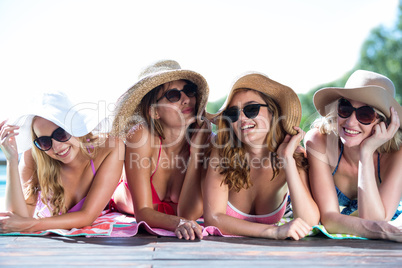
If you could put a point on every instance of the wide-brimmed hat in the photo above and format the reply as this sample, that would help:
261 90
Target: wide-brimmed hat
284 96
127 111
371 88
78 119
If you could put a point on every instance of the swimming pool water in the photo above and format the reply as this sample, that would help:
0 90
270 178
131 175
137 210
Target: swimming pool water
2 180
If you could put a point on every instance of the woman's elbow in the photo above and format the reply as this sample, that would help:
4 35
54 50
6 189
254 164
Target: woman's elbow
211 219
331 222
87 220
193 213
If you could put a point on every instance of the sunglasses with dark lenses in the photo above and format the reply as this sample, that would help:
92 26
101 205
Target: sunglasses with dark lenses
250 110
174 95
44 143
365 114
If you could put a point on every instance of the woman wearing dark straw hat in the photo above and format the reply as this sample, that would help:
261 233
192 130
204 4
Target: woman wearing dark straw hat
257 161
163 165
355 157
68 168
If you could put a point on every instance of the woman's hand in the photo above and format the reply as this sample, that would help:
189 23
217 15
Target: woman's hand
290 144
381 133
188 230
7 140
10 222
296 229
199 140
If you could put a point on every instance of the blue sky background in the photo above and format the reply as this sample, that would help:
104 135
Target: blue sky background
94 49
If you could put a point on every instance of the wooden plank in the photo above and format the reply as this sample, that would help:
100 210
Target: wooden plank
145 251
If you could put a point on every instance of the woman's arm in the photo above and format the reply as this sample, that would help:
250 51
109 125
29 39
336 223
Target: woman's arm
321 180
139 163
102 187
215 204
303 205
14 197
324 193
191 202
379 202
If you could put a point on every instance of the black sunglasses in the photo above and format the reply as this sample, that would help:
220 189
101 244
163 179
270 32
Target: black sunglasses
174 95
44 143
250 110
365 114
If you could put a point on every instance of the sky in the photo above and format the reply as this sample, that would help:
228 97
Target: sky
95 49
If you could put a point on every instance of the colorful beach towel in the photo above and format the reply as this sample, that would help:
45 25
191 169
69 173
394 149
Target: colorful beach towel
114 224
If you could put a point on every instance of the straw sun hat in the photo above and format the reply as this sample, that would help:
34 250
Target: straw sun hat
78 119
367 87
127 112
284 96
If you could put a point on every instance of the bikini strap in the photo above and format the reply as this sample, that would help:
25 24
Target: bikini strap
339 160
159 157
378 164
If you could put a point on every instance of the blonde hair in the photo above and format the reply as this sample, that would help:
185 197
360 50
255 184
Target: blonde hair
329 123
46 177
237 172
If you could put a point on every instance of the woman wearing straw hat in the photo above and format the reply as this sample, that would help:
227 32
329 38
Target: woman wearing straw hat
156 117
354 156
67 178
256 162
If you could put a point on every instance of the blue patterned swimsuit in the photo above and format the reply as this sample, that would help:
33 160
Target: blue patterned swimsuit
351 205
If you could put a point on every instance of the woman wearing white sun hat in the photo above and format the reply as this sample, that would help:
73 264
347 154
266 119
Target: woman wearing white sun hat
355 158
68 170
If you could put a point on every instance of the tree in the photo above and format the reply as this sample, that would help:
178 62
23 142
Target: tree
381 52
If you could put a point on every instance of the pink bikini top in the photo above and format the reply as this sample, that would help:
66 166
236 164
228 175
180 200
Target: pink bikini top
270 218
42 211
164 207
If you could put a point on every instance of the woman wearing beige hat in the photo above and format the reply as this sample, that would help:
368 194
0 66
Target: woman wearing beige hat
256 162
355 157
157 119
68 169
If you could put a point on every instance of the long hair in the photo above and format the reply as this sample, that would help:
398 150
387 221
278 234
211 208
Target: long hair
236 169
47 174
329 123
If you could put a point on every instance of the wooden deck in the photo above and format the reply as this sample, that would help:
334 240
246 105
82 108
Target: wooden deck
145 250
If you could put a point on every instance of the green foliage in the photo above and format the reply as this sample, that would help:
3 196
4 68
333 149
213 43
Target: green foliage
381 53
213 107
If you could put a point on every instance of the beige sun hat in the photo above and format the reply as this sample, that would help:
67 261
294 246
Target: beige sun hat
284 96
371 88
127 113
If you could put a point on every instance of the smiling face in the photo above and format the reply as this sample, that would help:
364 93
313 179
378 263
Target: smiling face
351 131
251 131
175 114
62 151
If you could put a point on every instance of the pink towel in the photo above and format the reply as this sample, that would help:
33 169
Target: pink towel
115 224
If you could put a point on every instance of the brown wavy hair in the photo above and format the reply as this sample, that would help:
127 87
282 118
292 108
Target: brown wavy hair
47 174
237 170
